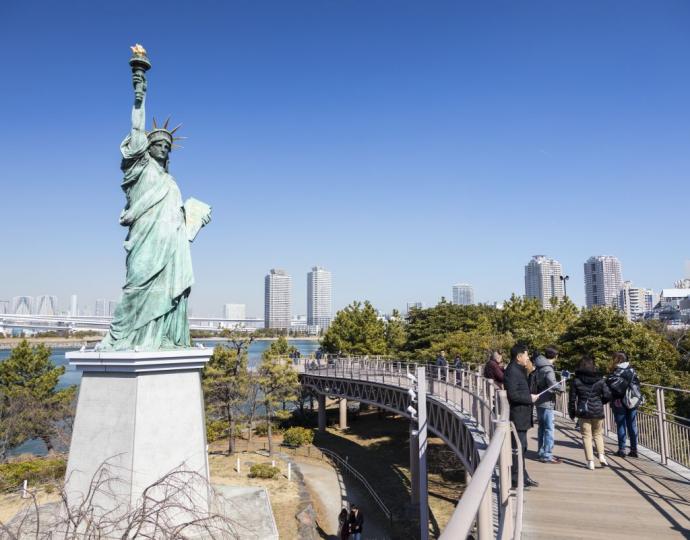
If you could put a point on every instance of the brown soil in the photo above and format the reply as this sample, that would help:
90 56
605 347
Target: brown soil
378 447
284 495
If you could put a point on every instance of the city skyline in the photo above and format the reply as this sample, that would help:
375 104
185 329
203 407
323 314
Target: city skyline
370 135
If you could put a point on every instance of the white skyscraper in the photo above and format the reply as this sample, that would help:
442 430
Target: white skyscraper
101 308
463 294
602 280
22 305
543 280
319 297
235 311
5 306
634 301
278 300
73 306
46 305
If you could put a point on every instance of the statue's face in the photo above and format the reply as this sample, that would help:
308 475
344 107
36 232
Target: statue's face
160 150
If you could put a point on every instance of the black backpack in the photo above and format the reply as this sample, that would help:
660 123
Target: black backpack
535 386
619 381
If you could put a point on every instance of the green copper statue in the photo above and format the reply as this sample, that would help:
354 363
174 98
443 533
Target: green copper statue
152 314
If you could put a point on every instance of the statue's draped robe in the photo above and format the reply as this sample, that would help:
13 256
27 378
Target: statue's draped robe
153 311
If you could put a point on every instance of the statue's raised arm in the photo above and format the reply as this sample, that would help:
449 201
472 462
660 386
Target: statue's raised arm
140 64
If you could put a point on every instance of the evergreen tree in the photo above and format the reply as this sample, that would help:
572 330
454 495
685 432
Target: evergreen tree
356 330
30 404
277 380
396 336
226 388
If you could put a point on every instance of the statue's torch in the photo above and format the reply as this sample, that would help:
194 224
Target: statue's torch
140 64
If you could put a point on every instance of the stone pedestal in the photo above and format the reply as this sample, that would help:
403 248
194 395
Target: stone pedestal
140 415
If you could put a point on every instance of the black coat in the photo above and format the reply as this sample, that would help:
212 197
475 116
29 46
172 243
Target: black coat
356 522
519 397
590 388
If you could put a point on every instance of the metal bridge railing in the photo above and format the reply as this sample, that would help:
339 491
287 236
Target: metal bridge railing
665 434
470 394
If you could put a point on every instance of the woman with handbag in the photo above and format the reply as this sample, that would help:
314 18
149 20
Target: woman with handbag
588 394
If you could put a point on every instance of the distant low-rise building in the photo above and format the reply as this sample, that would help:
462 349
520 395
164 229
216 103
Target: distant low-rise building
634 302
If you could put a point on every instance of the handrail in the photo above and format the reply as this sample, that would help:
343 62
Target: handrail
488 404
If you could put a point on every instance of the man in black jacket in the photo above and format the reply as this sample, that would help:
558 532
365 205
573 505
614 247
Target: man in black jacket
521 403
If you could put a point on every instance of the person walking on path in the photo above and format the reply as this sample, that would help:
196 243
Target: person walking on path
545 404
622 377
344 524
441 365
493 369
356 522
588 394
521 403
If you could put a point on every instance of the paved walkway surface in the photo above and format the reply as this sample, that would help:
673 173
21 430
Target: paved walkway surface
335 491
632 498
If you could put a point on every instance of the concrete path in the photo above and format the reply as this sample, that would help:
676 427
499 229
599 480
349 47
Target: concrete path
632 498
334 492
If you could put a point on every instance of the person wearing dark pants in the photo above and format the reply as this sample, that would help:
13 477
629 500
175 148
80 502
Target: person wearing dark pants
356 522
521 403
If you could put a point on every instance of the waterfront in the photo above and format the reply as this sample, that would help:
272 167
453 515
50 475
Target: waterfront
73 377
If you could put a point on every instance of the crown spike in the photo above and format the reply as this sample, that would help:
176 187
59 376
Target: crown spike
167 120
179 138
155 126
175 128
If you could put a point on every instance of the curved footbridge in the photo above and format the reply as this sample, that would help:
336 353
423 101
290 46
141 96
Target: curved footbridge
640 498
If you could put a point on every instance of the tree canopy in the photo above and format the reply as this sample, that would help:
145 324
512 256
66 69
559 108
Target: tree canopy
356 330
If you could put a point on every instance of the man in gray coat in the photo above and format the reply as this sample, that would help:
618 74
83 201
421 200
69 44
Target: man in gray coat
546 377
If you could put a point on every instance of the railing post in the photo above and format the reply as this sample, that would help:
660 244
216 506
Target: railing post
504 481
485 526
661 417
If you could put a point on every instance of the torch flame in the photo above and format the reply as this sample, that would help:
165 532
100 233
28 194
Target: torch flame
138 50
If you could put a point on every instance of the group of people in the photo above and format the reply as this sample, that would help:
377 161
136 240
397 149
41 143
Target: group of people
351 523
530 382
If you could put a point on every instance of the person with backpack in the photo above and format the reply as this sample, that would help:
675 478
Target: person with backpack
588 394
541 379
627 397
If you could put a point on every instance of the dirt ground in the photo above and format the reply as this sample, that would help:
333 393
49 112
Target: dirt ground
378 447
11 504
283 495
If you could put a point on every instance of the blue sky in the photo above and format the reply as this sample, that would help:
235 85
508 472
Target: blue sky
405 146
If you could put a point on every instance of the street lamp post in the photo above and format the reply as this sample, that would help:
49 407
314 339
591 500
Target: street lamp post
565 279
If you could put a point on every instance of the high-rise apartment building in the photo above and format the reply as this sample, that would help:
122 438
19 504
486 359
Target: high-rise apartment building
73 306
543 280
463 294
413 305
277 299
235 312
634 301
101 308
319 297
46 305
22 305
602 280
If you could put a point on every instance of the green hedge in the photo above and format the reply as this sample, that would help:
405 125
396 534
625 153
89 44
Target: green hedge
298 436
36 471
263 470
215 429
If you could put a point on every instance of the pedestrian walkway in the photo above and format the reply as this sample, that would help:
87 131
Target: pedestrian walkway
632 498
334 491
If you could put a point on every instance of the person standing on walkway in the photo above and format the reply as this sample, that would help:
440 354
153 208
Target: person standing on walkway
521 404
344 524
545 404
356 522
493 369
621 378
588 394
441 365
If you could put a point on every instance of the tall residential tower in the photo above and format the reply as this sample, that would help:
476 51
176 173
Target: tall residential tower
463 294
278 300
319 297
602 280
543 280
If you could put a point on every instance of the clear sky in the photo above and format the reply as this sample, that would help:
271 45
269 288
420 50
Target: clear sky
405 146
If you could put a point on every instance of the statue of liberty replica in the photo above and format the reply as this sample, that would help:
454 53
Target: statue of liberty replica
152 314
140 409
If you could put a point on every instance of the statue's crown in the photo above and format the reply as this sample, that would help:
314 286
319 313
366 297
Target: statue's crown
163 134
